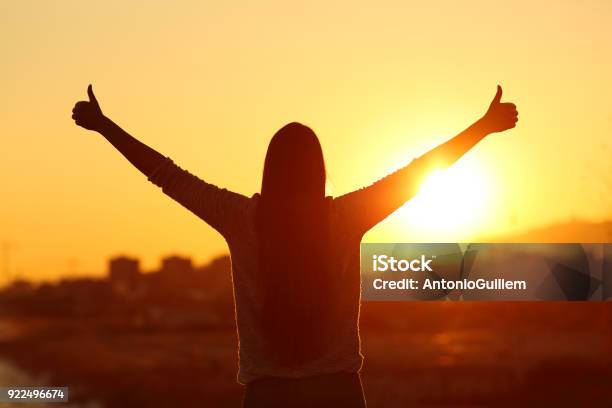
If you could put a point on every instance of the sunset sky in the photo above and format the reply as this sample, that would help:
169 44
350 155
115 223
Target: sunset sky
209 84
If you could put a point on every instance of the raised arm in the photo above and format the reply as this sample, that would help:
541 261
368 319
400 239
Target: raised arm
88 115
222 209
499 117
368 206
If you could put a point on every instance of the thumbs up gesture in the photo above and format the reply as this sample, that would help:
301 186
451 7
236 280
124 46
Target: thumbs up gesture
501 115
88 114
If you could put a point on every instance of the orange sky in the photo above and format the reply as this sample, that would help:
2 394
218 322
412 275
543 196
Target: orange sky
208 85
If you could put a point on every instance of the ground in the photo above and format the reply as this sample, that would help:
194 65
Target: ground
447 354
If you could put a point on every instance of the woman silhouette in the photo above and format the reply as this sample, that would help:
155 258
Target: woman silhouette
295 253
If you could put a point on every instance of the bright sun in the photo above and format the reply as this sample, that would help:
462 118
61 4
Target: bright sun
451 205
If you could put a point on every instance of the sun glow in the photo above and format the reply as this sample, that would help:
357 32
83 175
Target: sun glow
452 204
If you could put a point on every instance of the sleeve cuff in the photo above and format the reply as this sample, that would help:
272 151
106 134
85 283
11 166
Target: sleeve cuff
159 175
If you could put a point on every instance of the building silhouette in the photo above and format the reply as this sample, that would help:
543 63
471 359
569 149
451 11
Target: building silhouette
124 274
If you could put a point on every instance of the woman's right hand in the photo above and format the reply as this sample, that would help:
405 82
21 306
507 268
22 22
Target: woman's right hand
88 114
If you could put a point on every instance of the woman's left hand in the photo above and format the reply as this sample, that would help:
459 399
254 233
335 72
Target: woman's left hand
500 116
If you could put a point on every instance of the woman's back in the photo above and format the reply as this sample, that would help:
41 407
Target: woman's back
234 216
343 351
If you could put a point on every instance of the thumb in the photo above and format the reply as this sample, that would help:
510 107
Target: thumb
92 97
498 96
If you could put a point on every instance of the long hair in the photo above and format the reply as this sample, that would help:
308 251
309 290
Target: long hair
292 226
